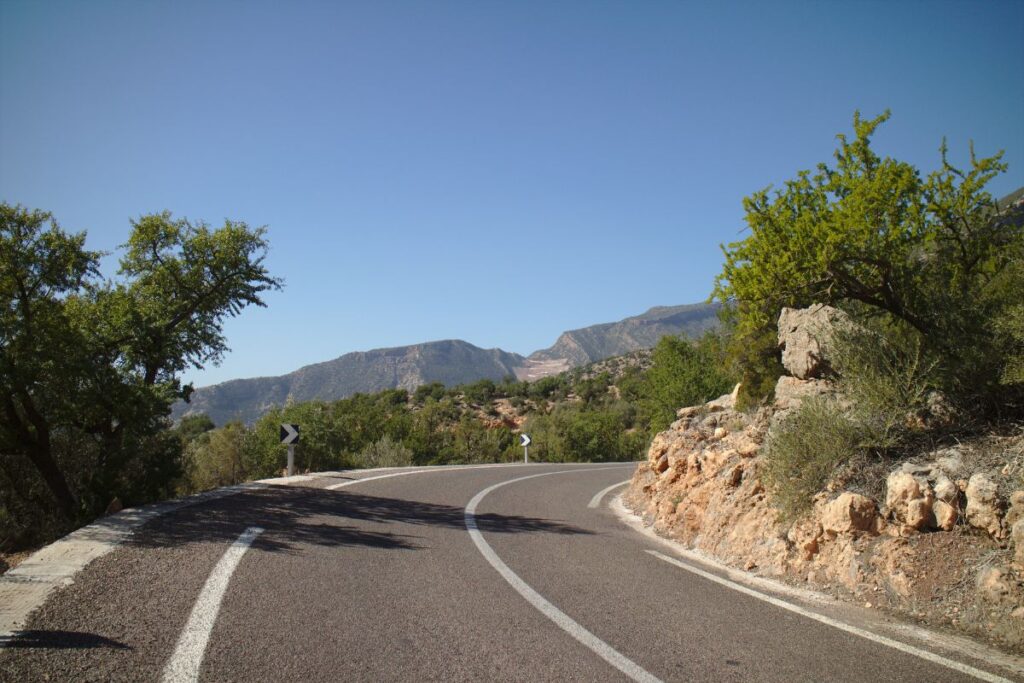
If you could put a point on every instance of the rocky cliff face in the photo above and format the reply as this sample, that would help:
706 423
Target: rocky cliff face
597 342
945 545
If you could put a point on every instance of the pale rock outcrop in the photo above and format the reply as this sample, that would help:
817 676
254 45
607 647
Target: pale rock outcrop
909 499
945 515
702 486
994 585
946 490
849 512
805 335
790 392
951 461
984 508
1015 511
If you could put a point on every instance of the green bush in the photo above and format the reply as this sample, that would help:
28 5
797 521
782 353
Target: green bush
886 378
803 453
684 373
386 453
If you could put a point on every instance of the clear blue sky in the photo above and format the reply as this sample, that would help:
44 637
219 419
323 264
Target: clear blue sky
491 171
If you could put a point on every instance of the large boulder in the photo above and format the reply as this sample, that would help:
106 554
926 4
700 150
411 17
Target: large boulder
790 392
984 507
805 335
848 513
909 499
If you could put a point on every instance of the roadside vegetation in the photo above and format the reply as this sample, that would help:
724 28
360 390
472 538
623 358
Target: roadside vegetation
929 267
606 411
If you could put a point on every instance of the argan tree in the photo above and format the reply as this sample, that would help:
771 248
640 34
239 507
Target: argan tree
929 254
89 367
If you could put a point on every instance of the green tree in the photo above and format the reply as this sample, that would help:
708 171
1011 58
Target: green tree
89 367
218 459
873 235
684 373
191 427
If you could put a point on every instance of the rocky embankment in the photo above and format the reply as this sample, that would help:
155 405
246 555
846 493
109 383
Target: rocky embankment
944 543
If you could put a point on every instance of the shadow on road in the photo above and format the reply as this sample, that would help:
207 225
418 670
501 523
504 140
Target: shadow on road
61 640
294 516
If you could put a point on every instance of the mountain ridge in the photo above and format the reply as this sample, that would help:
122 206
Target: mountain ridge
449 361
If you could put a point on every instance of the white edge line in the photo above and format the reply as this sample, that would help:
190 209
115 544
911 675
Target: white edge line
560 618
444 468
965 647
188 654
596 500
842 626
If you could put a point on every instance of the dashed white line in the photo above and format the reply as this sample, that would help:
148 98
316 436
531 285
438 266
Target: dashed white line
596 500
188 654
563 620
842 626
379 476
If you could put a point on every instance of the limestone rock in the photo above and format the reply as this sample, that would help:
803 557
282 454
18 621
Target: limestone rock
945 515
946 490
951 461
984 508
919 514
805 536
993 585
790 392
805 335
848 513
1016 509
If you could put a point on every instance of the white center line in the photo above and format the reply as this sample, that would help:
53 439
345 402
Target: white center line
596 500
563 620
343 484
188 655
874 637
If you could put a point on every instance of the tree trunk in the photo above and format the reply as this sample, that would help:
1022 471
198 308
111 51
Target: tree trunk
54 479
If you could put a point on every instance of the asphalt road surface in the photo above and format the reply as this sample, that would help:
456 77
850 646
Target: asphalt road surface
472 574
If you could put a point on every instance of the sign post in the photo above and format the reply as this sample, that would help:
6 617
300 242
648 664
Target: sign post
290 437
525 441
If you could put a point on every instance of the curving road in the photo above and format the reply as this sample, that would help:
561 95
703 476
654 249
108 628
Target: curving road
517 572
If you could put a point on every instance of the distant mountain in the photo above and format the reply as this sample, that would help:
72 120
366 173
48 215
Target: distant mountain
449 362
405 367
598 342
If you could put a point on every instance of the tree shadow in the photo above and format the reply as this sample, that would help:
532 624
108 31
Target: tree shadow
61 640
293 516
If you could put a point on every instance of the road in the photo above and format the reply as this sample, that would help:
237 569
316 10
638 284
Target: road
446 574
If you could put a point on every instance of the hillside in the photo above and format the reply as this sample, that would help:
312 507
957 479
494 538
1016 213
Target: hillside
449 362
406 367
598 342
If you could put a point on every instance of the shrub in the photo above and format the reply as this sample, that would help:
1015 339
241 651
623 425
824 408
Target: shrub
386 453
886 378
803 453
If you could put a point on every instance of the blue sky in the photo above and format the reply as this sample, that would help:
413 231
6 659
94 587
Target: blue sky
491 171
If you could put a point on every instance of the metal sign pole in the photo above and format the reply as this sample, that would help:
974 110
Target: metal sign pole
526 455
291 459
